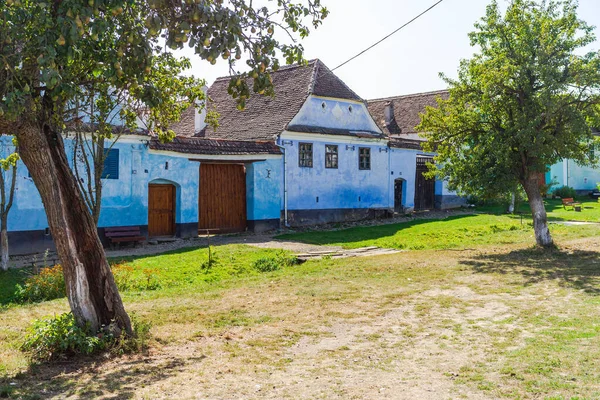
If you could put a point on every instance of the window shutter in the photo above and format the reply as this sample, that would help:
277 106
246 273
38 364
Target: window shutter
111 164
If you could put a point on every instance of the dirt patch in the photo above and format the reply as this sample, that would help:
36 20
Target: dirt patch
418 325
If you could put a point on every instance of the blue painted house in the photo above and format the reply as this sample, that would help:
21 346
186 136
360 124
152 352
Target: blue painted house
314 153
342 159
144 171
583 179
398 117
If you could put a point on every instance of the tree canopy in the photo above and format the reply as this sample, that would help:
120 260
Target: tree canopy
53 52
52 49
526 100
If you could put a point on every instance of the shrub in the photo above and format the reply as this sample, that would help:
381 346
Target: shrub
266 264
49 284
276 262
564 192
123 275
151 279
136 344
547 188
60 336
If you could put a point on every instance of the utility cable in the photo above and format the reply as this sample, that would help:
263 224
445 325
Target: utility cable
388 36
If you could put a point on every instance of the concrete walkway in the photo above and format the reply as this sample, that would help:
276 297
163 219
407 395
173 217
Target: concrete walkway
574 223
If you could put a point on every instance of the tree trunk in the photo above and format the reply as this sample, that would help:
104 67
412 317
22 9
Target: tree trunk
540 220
91 289
4 245
511 206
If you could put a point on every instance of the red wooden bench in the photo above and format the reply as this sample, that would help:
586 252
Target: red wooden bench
124 234
570 202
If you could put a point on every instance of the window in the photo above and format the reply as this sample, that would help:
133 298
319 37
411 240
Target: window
364 158
111 164
306 155
331 156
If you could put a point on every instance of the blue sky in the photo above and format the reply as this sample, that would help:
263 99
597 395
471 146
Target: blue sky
408 62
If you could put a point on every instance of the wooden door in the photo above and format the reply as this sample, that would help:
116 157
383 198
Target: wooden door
398 193
161 210
424 188
222 199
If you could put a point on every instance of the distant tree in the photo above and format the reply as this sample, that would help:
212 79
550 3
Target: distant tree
523 103
8 181
50 50
102 113
89 141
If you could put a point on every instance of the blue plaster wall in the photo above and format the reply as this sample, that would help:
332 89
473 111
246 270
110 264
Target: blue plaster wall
263 189
346 187
568 173
336 114
403 164
27 212
124 200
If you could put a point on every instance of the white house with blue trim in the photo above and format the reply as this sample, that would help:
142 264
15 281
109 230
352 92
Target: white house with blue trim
314 153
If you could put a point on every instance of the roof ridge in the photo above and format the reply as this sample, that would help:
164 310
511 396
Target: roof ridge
309 89
222 139
404 96
281 69
313 77
329 71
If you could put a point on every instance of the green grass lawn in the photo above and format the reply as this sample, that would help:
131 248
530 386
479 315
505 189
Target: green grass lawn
8 281
462 231
511 322
556 212
498 319
172 270
188 267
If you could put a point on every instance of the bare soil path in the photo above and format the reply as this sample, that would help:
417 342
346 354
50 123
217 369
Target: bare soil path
495 322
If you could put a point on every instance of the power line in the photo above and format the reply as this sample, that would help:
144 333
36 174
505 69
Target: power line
388 36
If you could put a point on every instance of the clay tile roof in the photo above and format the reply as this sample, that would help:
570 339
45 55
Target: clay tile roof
187 123
327 84
406 112
215 146
265 117
400 143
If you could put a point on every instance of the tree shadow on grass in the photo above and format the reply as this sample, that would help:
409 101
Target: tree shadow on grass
88 378
575 269
361 233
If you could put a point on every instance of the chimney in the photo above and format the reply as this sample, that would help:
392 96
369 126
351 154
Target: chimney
389 113
200 116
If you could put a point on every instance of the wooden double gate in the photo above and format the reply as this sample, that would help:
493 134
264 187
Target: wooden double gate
424 188
222 199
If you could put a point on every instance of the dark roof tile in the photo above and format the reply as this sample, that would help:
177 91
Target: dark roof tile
400 143
186 126
407 110
215 146
327 84
265 117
